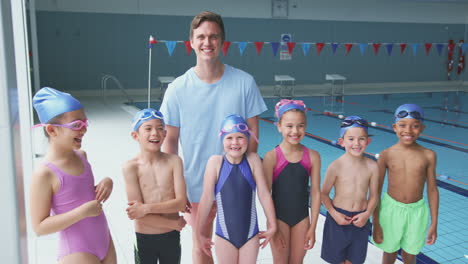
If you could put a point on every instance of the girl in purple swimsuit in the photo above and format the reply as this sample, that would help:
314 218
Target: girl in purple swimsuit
64 198
231 180
288 169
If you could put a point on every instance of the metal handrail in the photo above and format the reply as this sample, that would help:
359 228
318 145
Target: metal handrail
104 80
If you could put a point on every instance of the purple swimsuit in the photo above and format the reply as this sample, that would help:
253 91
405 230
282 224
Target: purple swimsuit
91 234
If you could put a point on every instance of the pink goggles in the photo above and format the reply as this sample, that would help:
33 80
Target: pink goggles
286 105
75 125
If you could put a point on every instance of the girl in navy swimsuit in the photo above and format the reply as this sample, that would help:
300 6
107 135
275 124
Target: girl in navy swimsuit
231 180
288 169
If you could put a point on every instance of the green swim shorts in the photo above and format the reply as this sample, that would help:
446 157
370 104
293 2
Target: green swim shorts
404 225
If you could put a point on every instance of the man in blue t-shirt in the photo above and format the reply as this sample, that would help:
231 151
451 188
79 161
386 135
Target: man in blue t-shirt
195 104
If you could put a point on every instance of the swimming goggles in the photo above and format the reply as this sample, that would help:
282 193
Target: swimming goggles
147 115
413 114
350 122
241 127
75 125
286 104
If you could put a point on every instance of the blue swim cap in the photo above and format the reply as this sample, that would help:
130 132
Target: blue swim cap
286 105
50 103
146 115
232 124
352 121
409 111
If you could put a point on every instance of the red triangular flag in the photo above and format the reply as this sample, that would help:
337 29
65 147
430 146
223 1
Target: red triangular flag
291 46
451 46
376 47
259 46
188 47
428 47
348 47
226 47
319 47
402 48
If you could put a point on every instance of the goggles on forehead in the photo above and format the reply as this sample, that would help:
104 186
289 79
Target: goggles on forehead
74 125
240 126
350 122
413 114
147 115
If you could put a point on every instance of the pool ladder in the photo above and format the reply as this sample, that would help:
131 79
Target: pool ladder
105 78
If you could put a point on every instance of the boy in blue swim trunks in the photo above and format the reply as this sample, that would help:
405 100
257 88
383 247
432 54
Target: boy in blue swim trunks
402 219
347 226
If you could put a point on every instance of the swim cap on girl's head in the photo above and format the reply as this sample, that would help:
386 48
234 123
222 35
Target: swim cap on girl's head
286 105
232 124
352 121
50 103
146 115
409 111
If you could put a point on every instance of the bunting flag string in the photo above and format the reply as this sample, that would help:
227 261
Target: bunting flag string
170 45
319 47
376 47
188 47
402 48
259 46
439 47
291 46
389 47
363 47
242 45
348 47
305 48
274 47
225 48
428 47
415 48
334 46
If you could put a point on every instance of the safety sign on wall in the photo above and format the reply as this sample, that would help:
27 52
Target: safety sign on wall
284 52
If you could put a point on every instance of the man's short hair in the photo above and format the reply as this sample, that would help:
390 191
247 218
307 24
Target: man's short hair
207 16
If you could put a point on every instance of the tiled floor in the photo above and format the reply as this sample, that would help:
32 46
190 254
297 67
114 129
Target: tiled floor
108 145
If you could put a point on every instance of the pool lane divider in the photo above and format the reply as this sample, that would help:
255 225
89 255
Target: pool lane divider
426 119
446 110
370 106
441 184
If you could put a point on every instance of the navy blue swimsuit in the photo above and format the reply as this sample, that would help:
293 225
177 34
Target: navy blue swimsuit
235 201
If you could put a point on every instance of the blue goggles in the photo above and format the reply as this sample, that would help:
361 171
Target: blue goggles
145 115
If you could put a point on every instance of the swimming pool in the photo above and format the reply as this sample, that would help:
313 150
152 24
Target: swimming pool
446 129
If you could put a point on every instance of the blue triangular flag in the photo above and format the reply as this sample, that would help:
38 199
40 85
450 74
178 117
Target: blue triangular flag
415 48
463 47
242 46
362 47
334 47
305 48
440 47
389 47
170 45
274 47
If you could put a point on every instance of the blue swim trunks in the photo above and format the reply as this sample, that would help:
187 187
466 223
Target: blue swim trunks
344 242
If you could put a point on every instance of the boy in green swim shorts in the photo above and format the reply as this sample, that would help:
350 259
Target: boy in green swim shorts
402 217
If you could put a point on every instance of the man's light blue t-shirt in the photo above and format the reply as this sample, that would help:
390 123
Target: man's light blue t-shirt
197 109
